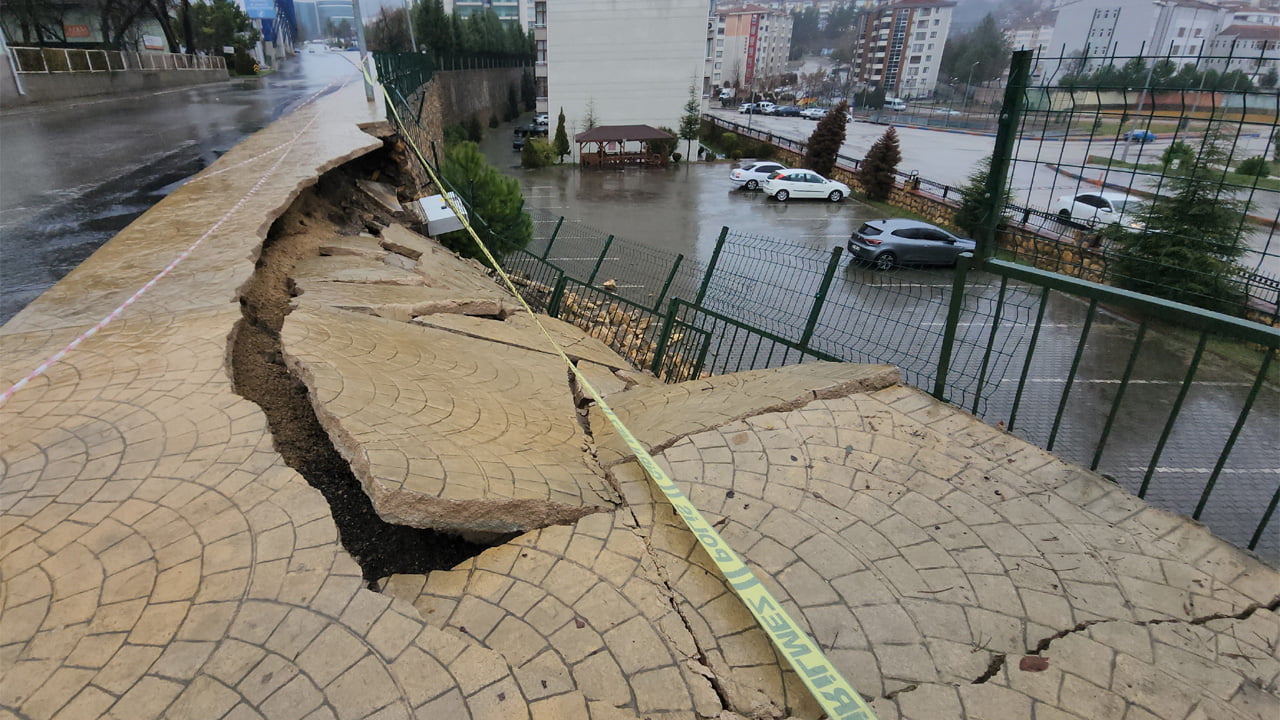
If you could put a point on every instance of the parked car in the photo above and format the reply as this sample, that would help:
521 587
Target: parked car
750 176
766 107
889 243
786 111
522 132
541 119
784 184
1098 208
895 104
1140 136
748 108
814 113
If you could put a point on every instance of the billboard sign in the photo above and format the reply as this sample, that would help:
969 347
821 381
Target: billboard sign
260 9
76 31
153 42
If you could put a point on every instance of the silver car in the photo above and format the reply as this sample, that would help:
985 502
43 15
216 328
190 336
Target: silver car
889 243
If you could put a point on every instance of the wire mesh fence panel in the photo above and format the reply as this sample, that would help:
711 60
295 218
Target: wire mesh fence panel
734 346
1152 173
535 278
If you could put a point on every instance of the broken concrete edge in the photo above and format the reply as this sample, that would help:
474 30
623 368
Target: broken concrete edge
886 376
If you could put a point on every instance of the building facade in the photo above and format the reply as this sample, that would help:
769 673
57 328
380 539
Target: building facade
751 44
899 46
517 11
621 62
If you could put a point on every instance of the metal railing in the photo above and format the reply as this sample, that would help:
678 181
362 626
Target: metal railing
68 60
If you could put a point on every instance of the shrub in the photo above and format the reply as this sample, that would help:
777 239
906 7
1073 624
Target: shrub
245 64
824 144
675 157
472 125
536 153
1256 166
1177 155
975 201
729 142
454 134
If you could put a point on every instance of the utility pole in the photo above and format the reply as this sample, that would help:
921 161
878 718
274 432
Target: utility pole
364 49
1142 99
408 16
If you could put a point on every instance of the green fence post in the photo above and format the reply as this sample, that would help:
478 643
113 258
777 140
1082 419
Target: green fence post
820 297
600 260
1001 156
552 239
663 337
557 295
657 306
711 268
953 319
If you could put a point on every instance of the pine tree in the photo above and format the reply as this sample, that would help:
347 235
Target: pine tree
560 144
691 121
497 206
975 200
1192 237
876 174
824 144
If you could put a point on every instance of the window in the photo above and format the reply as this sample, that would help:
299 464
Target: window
920 36
1182 32
928 58
540 14
540 86
933 35
718 65
1177 50
925 12
922 24
918 47
720 43
1199 31
936 23
542 51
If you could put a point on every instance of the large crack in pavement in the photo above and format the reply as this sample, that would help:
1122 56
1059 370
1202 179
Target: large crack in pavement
331 208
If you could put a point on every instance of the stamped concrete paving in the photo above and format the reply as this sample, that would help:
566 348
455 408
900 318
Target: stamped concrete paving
158 558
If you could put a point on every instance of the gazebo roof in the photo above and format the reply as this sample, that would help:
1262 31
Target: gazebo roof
622 133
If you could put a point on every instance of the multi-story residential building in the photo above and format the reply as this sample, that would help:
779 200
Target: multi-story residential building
751 44
507 10
1253 49
623 63
899 46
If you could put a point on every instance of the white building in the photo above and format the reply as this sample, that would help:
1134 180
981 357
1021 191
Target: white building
1251 49
627 62
752 43
900 44
507 10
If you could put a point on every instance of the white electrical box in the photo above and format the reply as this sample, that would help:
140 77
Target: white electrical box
440 217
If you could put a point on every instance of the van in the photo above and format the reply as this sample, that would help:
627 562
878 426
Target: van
895 104
726 93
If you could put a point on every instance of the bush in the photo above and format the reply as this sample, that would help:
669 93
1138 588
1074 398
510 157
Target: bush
454 134
729 143
1177 156
536 153
675 157
245 64
1256 166
472 125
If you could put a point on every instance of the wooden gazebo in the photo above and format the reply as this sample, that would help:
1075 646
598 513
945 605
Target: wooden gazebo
621 145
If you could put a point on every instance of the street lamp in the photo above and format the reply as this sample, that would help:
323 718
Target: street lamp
968 87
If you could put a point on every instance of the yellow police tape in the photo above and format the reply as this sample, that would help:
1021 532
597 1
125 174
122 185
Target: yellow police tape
836 696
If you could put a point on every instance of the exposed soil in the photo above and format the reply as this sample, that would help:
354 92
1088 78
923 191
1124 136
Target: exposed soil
334 206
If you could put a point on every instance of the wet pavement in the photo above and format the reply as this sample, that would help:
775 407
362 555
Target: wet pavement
899 317
75 173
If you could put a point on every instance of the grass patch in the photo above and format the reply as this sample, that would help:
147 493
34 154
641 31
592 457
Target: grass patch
1230 178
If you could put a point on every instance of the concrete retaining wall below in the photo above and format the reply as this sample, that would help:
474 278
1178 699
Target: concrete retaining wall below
45 87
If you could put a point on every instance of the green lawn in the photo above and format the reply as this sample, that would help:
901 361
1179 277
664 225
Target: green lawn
1245 181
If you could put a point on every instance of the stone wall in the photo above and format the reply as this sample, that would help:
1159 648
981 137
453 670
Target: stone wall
45 87
452 97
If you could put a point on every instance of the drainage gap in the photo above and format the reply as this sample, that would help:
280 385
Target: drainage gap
332 207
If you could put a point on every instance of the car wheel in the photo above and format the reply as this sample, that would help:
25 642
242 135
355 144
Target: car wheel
885 261
835 196
1065 214
781 196
753 185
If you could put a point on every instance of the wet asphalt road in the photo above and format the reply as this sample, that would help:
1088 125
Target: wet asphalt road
72 174
770 267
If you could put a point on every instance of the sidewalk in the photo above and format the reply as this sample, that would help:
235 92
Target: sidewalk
159 558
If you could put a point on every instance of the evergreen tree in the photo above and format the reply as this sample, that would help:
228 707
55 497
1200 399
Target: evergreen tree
536 153
691 121
824 144
876 174
496 205
560 145
982 53
590 120
1192 237
975 200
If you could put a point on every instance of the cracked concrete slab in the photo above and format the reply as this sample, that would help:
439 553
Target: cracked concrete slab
359 246
660 415
399 302
382 193
446 431
358 270
521 330
441 267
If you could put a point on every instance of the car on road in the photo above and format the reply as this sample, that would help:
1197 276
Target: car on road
1098 208
748 108
1139 136
751 175
814 113
785 184
886 244
766 107
786 111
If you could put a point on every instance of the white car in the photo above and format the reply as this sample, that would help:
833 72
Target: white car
814 113
803 184
765 107
751 175
1098 208
541 119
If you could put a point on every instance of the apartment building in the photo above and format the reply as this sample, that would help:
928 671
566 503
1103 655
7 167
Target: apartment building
626 62
518 11
751 43
900 44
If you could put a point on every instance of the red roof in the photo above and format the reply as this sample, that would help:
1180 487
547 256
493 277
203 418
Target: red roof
1253 32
